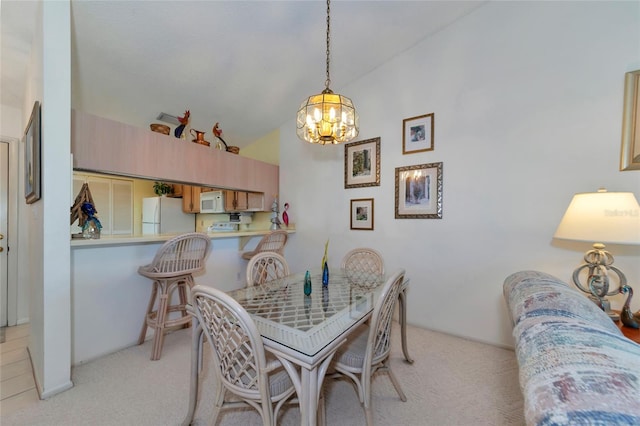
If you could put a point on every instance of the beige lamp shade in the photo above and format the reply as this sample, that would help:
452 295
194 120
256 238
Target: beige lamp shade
601 217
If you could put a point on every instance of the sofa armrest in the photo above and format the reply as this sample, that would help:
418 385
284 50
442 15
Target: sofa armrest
575 366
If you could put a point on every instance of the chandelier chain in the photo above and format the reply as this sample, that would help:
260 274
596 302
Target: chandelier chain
328 81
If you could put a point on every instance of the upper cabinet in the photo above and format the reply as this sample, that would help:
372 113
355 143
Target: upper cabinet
191 199
107 146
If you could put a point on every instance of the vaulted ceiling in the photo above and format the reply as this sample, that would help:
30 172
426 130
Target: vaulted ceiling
245 64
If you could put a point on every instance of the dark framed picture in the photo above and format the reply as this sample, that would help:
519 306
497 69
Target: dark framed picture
362 214
32 156
419 191
417 134
630 150
362 163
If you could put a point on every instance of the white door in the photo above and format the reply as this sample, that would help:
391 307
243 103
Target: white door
4 225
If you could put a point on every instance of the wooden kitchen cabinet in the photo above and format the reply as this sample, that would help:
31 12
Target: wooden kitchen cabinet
191 199
177 190
235 201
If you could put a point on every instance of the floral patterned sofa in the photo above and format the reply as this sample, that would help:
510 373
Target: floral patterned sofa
575 366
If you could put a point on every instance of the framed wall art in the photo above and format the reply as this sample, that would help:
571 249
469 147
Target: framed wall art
630 150
362 163
419 191
32 156
362 214
417 134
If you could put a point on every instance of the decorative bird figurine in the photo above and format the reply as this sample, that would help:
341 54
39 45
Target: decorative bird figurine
626 316
184 120
217 132
285 215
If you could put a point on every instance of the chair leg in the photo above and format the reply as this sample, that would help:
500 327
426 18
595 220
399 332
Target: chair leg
321 418
395 382
158 337
152 300
217 404
402 305
182 291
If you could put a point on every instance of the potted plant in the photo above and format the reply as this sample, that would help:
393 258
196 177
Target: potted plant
162 189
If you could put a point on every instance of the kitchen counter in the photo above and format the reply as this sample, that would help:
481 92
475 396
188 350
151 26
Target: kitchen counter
115 240
109 297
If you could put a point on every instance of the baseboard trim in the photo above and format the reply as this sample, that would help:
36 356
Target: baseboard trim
50 392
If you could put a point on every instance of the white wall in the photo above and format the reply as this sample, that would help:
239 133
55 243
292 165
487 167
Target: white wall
45 259
527 99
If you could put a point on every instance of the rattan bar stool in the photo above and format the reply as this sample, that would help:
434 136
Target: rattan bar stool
171 270
273 241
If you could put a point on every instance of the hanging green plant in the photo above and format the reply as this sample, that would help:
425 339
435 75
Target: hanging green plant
161 188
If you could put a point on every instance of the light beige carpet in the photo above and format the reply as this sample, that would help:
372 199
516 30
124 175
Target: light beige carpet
452 382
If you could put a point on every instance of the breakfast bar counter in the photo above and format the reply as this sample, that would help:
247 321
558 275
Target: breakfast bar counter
118 240
109 297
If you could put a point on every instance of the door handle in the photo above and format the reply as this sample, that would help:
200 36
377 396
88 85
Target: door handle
1 236
1 249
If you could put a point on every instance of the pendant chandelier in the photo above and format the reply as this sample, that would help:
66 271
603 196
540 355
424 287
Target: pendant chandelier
327 118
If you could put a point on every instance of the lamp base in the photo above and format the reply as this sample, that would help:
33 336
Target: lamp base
605 305
599 263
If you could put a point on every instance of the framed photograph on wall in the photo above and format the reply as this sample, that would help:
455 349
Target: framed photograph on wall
32 156
362 214
417 134
630 150
419 191
362 163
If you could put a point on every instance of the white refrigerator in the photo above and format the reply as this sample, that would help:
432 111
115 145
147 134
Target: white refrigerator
163 215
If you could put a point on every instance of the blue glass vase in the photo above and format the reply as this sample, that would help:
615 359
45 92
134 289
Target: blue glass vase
307 284
325 274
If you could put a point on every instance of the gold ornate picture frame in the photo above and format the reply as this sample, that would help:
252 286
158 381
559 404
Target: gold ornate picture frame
362 163
362 214
419 191
630 149
417 134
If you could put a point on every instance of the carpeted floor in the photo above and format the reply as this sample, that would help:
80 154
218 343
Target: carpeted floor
453 382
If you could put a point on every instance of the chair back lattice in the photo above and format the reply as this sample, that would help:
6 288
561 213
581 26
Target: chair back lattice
273 241
184 254
236 344
266 266
363 260
380 331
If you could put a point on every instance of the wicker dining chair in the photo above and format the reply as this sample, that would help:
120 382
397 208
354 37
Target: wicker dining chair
363 260
172 269
266 266
367 349
273 241
241 365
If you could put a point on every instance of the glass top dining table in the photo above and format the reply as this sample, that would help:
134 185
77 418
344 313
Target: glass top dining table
303 332
307 324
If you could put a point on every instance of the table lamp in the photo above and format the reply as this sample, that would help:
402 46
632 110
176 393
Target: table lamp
601 217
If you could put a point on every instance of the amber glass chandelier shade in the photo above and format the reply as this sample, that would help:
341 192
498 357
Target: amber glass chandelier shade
327 118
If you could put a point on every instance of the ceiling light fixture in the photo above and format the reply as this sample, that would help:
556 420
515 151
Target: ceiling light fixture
327 118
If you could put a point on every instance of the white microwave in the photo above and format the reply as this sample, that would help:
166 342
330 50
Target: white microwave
212 202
